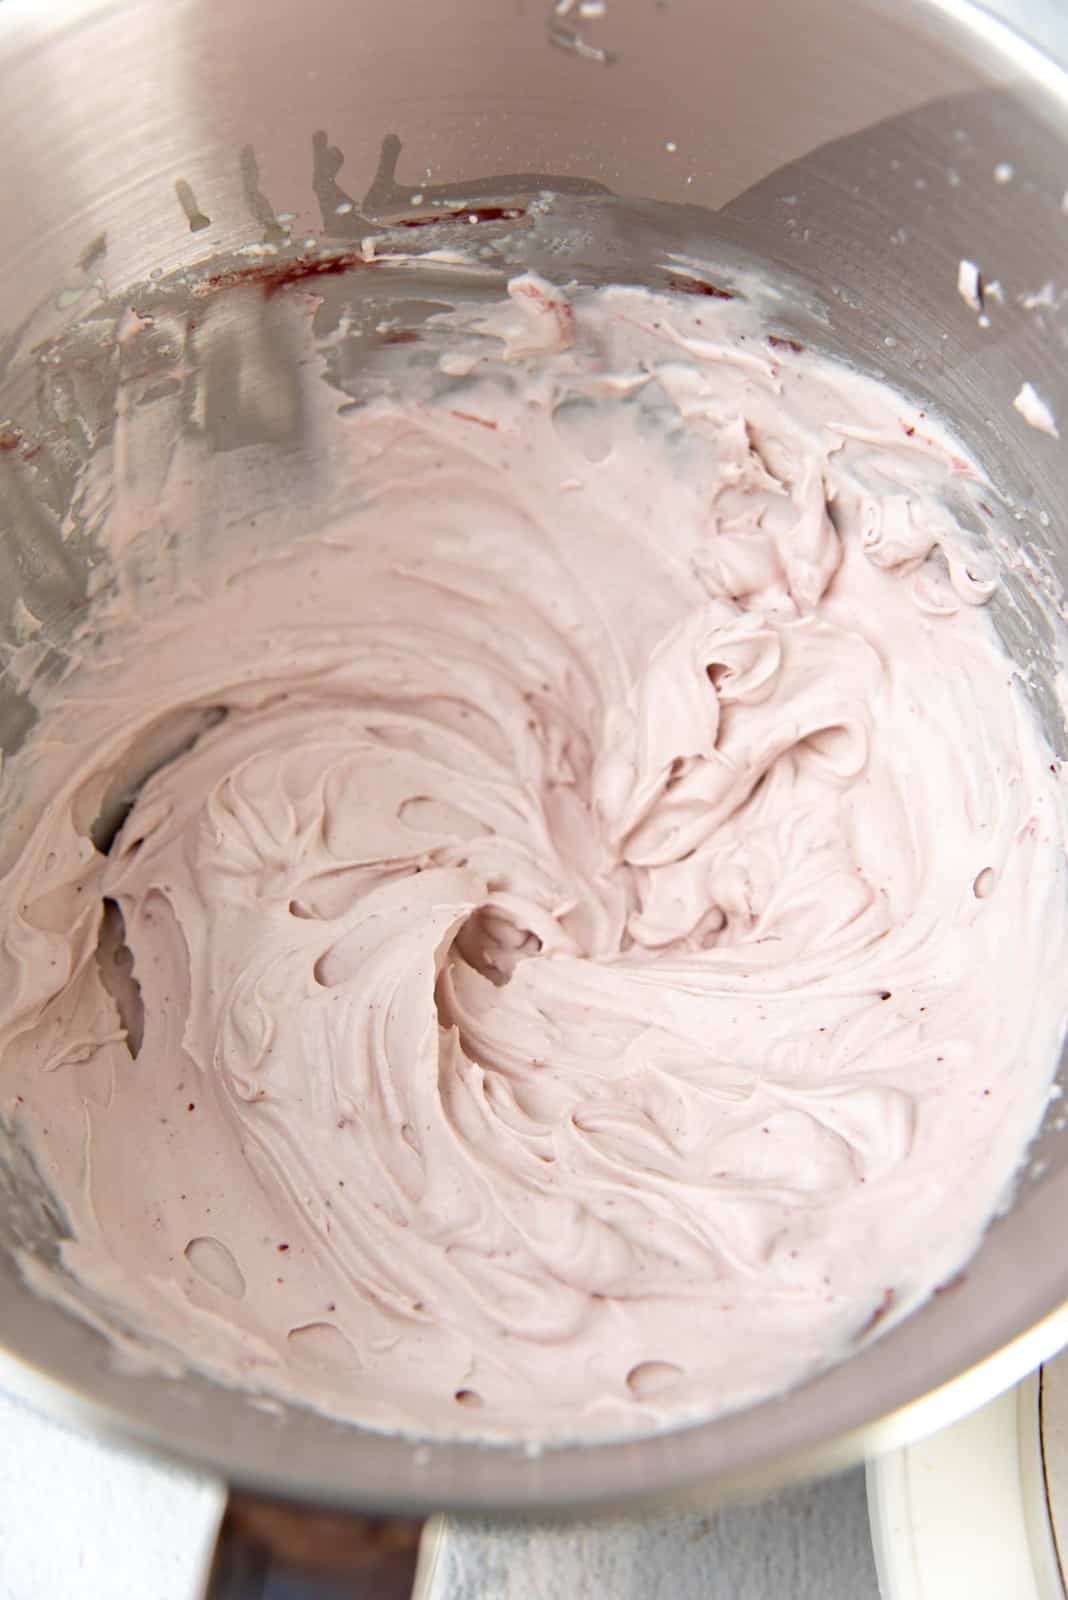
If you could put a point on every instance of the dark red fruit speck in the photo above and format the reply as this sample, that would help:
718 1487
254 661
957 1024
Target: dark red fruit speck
281 275
880 1312
699 286
12 439
469 416
275 276
468 214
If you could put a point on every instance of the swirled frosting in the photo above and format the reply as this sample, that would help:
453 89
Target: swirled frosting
598 947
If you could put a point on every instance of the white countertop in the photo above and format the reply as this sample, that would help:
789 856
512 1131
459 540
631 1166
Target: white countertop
810 1543
86 1521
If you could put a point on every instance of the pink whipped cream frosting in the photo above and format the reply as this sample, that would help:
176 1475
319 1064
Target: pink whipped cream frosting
608 954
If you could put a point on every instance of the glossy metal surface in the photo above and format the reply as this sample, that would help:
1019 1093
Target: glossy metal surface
266 1546
852 143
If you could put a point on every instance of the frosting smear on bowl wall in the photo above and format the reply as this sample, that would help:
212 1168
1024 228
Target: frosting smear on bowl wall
586 946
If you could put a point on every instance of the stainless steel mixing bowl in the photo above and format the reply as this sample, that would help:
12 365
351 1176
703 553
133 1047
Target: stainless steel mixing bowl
861 148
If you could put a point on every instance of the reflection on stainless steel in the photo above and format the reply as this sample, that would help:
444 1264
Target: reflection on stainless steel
852 145
267 1546
567 36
